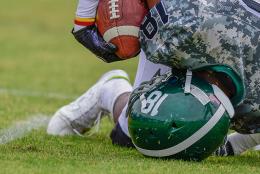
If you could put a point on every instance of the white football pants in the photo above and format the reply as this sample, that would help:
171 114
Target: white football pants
145 71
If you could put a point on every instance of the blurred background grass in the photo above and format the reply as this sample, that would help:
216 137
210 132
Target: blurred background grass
39 55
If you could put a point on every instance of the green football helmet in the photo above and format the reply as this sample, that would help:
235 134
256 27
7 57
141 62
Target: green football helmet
182 116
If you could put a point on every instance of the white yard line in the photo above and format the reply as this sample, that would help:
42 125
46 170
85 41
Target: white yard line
21 128
34 122
21 92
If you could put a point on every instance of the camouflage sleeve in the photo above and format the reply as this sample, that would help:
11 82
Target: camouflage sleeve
190 33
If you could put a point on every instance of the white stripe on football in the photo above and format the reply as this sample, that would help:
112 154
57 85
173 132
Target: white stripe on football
121 31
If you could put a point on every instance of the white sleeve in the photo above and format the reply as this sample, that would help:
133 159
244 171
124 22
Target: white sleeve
85 14
87 8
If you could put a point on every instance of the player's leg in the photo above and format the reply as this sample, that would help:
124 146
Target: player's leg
80 115
243 142
109 94
238 143
120 103
146 70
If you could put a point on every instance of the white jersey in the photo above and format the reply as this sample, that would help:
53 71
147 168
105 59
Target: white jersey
87 8
85 13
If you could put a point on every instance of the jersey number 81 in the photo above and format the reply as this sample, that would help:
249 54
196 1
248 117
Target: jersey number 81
150 26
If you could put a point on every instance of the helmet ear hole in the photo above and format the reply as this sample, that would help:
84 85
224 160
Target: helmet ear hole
151 133
174 125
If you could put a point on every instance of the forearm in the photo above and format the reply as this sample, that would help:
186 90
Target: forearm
86 32
85 13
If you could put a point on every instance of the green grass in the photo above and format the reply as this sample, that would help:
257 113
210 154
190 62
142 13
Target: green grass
39 56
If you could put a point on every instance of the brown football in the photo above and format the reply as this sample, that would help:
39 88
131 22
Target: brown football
118 21
151 3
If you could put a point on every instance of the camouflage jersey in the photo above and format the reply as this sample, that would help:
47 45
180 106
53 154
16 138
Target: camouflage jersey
195 33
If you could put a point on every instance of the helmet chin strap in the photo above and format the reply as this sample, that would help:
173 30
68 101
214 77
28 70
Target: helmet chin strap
193 90
202 96
222 97
187 87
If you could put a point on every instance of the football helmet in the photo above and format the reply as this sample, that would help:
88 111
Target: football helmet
181 116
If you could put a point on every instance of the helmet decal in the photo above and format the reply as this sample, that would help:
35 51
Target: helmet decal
152 103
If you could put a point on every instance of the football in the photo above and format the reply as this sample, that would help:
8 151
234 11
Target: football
118 21
152 3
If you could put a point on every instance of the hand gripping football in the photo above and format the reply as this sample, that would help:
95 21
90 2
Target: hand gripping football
118 21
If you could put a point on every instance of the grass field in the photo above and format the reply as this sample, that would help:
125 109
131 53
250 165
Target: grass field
42 68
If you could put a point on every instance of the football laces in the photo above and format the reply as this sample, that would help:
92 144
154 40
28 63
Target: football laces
113 9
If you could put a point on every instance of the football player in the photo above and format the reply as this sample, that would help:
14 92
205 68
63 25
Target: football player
181 34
